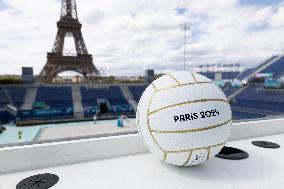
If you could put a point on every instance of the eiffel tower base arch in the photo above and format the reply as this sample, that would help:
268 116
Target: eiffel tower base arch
57 64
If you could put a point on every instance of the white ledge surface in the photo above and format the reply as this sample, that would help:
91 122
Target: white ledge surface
263 169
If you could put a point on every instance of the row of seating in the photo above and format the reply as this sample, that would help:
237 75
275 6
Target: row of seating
246 73
258 93
4 117
112 96
3 98
238 115
55 97
261 106
230 75
17 95
254 97
260 100
137 91
210 75
277 68
267 61
230 90
61 97
224 75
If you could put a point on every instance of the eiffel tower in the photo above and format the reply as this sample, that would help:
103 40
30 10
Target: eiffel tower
59 61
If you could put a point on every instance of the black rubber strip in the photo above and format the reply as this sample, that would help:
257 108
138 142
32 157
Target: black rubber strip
232 153
41 181
265 144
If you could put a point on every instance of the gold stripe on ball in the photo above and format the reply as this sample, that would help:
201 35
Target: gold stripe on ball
201 148
194 78
174 78
149 128
155 88
188 158
208 153
165 156
181 85
187 102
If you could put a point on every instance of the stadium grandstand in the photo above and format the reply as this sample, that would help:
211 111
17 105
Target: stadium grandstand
227 75
45 103
28 104
262 93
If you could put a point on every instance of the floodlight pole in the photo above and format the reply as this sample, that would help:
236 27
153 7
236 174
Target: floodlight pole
184 27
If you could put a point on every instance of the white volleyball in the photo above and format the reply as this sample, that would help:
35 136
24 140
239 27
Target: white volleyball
184 118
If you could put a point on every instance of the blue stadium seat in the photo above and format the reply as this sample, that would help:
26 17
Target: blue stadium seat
210 75
277 68
17 95
137 91
113 94
55 97
260 99
237 115
118 101
230 75
267 61
245 74
225 75
230 90
3 98
4 116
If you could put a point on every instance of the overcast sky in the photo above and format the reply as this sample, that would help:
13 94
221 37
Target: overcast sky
128 36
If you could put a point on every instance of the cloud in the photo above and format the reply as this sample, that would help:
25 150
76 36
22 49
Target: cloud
262 15
128 36
277 19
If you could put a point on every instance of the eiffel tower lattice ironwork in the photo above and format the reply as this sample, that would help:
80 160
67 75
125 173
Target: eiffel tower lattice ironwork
59 61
